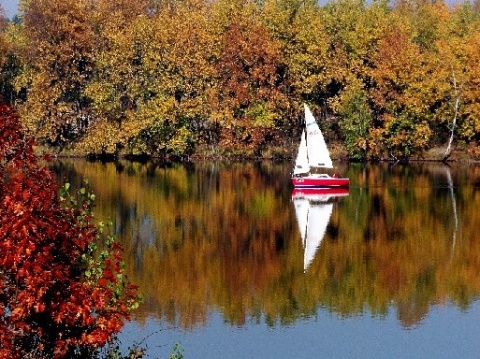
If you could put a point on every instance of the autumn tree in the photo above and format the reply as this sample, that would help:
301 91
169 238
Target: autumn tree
250 96
327 54
182 60
354 31
310 69
459 51
9 59
58 51
4 48
426 18
301 62
58 298
405 93
154 75
118 82
357 118
3 26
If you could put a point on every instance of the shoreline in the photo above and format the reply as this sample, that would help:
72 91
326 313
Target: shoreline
434 154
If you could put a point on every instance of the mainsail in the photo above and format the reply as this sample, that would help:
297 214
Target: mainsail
318 155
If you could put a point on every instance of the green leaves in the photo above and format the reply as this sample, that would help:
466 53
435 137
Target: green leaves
357 118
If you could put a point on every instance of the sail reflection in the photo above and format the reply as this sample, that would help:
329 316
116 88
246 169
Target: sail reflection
313 208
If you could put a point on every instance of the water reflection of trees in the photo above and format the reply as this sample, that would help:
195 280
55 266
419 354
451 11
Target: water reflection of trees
224 237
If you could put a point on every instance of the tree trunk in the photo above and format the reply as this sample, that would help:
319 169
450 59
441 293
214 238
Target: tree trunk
448 151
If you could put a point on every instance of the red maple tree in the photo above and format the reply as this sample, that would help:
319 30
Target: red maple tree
49 307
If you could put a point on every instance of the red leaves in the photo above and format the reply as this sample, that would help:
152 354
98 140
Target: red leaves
50 308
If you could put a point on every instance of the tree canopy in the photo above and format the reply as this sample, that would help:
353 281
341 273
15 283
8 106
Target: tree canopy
228 77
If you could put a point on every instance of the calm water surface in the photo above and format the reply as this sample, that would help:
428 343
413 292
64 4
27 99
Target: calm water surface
233 264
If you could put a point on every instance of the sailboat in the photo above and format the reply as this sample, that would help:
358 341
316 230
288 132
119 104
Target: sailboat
313 153
313 208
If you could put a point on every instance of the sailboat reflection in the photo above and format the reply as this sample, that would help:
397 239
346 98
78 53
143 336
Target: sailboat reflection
313 207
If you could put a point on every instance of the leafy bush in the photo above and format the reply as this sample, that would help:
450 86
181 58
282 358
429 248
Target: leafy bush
59 296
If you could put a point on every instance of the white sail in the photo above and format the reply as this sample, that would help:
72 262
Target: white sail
301 164
312 218
318 155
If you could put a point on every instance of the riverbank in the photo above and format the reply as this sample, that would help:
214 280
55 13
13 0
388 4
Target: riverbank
338 153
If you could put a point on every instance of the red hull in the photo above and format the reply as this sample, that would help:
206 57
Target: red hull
320 192
319 182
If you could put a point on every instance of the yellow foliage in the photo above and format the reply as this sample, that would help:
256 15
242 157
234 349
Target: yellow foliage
101 139
233 66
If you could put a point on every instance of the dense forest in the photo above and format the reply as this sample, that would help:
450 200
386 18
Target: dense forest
228 78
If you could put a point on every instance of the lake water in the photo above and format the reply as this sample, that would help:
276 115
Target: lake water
392 269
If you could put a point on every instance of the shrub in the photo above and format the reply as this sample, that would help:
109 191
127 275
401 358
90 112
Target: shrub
58 298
